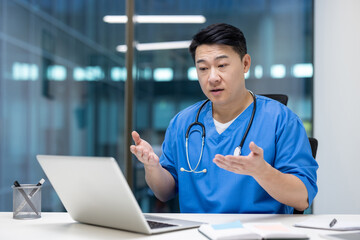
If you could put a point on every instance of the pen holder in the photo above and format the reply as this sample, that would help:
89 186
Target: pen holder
27 201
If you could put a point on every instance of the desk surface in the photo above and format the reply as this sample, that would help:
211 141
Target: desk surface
61 226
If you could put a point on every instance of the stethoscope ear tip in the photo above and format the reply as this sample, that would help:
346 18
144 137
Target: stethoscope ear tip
182 169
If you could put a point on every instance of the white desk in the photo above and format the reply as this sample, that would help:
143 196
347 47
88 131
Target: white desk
60 226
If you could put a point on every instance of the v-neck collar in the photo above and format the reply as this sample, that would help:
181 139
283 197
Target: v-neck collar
210 125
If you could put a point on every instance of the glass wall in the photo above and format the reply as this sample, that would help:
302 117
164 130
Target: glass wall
279 35
61 87
62 76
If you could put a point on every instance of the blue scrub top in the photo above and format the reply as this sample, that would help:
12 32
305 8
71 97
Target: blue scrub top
276 129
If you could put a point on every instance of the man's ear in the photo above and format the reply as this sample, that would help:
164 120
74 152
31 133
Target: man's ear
247 62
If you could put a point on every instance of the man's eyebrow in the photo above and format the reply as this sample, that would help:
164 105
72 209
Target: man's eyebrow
200 61
216 58
221 56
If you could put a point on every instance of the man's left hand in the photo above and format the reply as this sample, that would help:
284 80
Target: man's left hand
252 164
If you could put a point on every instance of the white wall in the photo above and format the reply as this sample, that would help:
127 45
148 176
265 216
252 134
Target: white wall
337 105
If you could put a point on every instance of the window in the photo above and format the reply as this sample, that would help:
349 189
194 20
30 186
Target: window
279 36
57 95
62 78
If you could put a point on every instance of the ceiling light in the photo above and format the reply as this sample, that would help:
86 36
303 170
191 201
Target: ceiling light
115 19
156 19
303 70
156 46
278 71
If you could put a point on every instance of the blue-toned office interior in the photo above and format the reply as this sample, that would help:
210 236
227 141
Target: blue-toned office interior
63 77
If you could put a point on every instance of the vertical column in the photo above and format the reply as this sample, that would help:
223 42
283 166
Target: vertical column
336 105
129 90
4 105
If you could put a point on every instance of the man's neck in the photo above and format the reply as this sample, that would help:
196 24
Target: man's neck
226 113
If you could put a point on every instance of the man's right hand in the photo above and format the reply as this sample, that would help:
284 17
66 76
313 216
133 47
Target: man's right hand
143 151
160 181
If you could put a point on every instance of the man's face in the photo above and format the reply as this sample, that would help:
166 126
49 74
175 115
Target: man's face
221 72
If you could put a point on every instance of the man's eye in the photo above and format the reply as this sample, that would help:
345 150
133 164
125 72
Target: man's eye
222 65
202 68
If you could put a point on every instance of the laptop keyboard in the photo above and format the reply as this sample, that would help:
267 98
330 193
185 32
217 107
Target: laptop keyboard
154 225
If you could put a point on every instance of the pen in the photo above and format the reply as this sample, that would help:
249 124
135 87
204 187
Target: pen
41 182
333 222
32 193
17 184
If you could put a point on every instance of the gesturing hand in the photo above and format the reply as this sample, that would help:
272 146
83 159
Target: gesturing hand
252 164
143 151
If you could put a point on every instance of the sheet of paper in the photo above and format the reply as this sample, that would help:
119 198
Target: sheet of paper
323 222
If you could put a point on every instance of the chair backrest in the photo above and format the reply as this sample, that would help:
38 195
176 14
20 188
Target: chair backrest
314 146
278 97
313 141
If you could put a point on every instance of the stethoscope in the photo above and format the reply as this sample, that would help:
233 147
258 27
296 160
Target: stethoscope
237 151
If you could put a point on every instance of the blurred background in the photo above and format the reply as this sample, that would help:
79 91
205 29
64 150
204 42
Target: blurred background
62 77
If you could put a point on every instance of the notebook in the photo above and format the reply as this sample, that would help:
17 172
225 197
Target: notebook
93 190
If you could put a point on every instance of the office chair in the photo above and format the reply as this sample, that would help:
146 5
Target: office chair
313 141
278 97
314 146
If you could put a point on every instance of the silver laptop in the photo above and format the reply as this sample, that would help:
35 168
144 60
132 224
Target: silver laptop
94 191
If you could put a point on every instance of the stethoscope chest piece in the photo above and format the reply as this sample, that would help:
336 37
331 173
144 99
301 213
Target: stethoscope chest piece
237 151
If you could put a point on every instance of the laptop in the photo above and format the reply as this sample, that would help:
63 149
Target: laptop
93 190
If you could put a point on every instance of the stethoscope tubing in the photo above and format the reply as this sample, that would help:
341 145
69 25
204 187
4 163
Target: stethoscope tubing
237 149
250 123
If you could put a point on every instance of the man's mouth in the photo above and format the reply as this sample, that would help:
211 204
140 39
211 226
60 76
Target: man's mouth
216 90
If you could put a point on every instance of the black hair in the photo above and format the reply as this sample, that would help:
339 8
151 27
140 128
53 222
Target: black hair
220 33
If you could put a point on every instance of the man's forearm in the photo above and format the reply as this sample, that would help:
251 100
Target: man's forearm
161 182
285 188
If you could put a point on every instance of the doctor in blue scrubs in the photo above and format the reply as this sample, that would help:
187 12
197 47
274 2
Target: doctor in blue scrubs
245 153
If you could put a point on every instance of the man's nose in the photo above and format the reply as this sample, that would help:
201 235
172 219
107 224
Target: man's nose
214 76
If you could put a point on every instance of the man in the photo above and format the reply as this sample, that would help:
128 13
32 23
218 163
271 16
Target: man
275 171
